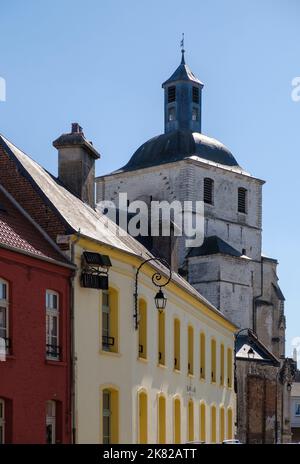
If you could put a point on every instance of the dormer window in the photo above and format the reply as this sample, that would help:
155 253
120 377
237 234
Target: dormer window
171 114
171 94
208 191
195 95
195 114
242 200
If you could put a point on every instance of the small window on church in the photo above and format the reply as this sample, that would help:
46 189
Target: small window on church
195 95
195 114
171 94
208 194
171 114
242 200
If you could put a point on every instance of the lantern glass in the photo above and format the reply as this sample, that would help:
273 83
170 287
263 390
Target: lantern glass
160 300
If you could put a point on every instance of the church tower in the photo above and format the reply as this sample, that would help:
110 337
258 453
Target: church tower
183 94
228 269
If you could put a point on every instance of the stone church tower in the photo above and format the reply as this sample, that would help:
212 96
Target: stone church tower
228 269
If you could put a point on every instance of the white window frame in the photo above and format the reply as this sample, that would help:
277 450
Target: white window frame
4 304
52 314
2 421
51 420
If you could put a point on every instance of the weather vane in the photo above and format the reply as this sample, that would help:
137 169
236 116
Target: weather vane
182 48
182 43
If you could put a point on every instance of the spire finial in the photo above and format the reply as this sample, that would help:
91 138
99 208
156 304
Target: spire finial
182 49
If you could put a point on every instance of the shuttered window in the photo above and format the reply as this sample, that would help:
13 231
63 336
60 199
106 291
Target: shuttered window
242 200
195 95
208 191
171 94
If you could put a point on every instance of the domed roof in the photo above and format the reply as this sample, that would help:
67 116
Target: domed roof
176 146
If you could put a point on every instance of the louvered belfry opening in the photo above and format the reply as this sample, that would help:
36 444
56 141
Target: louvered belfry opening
195 94
242 200
171 94
208 194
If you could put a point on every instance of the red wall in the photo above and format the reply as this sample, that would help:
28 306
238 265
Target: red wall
27 379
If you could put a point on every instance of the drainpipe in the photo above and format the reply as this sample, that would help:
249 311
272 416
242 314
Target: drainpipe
72 336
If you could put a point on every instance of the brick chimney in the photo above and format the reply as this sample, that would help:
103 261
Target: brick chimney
76 164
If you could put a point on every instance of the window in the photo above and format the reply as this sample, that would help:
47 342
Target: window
161 419
143 418
50 422
110 320
195 95
52 325
242 200
229 367
177 421
191 420
222 424
222 364
143 329
229 424
202 356
171 114
202 422
208 194
297 409
161 338
190 350
177 344
4 334
213 360
2 422
213 424
195 114
110 411
171 94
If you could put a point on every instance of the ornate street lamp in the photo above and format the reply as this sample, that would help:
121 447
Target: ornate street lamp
160 299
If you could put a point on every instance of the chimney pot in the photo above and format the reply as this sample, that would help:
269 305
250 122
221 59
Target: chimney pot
76 128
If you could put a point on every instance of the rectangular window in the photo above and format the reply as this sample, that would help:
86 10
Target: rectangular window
4 328
161 338
208 191
195 114
143 329
229 367
202 356
110 416
52 326
171 94
190 350
242 200
110 324
297 409
222 365
213 353
195 95
51 422
106 417
2 422
177 344
171 114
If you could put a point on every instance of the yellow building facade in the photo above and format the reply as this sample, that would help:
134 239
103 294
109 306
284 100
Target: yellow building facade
169 381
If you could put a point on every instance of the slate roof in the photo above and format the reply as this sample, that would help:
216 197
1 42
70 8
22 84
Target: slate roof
183 73
80 217
178 145
213 245
260 353
19 233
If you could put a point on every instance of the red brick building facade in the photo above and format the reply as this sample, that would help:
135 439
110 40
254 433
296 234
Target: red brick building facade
35 360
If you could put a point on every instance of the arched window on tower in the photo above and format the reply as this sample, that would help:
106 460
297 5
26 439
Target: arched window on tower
242 200
171 94
208 191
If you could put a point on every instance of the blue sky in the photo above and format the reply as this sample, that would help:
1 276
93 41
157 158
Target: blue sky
102 62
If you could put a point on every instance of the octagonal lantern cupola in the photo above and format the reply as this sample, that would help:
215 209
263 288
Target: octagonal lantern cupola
183 100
